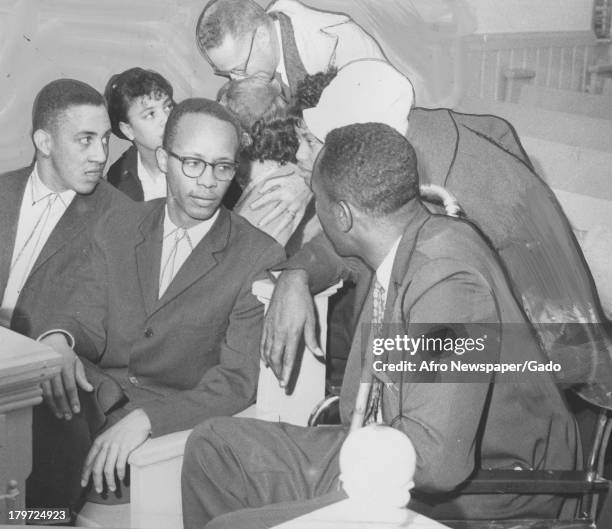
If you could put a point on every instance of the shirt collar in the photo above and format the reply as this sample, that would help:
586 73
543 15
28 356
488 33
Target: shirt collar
383 272
142 170
280 68
41 191
194 234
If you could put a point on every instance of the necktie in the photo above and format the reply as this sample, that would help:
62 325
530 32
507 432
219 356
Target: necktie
180 246
367 404
285 90
378 311
28 251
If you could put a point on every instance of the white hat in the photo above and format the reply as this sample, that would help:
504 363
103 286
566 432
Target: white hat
363 91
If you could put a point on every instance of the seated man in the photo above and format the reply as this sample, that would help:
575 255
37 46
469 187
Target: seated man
433 273
479 159
48 210
161 315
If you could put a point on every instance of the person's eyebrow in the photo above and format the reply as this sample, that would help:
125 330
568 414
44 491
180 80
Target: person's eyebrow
194 154
147 107
149 103
92 133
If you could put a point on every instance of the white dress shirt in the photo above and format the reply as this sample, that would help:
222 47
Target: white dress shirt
41 210
178 243
151 187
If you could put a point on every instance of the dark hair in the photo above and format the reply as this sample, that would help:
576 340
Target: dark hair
273 140
370 165
123 88
198 106
259 105
59 95
221 18
309 90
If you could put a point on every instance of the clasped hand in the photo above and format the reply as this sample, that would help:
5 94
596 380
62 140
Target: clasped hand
290 194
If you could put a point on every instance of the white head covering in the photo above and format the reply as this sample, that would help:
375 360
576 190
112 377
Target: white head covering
363 91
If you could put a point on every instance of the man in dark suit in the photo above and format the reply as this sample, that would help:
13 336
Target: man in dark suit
434 275
480 160
48 210
161 310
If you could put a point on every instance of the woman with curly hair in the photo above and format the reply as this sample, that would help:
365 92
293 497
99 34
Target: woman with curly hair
270 147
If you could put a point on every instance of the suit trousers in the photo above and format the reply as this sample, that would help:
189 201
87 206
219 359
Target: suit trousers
232 464
59 447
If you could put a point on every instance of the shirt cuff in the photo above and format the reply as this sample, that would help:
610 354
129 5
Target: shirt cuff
68 336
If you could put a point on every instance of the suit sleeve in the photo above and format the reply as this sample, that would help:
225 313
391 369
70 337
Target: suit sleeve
442 417
323 265
85 314
499 131
230 386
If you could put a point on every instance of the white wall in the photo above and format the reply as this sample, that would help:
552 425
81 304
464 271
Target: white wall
507 16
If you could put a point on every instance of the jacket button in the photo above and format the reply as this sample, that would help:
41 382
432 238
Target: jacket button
148 332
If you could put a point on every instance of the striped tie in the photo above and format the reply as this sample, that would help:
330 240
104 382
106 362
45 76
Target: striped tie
170 268
373 409
368 401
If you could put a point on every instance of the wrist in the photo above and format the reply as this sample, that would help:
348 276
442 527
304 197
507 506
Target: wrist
295 276
143 419
57 339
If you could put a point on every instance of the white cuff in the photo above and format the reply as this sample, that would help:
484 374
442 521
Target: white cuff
68 336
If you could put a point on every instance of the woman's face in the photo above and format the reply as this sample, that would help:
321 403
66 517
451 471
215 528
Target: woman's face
308 151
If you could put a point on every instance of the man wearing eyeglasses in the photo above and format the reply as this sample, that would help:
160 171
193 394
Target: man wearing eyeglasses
162 310
288 40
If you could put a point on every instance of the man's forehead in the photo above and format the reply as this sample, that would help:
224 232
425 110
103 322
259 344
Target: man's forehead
194 124
225 55
83 118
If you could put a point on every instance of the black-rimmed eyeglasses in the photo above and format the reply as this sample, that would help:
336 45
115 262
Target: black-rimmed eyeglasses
195 167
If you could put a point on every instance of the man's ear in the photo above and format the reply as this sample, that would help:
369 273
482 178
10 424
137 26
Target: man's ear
43 142
162 159
126 130
344 216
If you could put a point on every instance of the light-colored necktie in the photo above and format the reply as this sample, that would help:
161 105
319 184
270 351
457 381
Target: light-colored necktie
180 245
33 240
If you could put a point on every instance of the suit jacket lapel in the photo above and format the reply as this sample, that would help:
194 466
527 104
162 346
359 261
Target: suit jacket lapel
72 222
132 187
148 256
399 281
11 196
201 260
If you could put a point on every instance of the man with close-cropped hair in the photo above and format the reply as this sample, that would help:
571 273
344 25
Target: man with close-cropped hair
161 313
433 276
